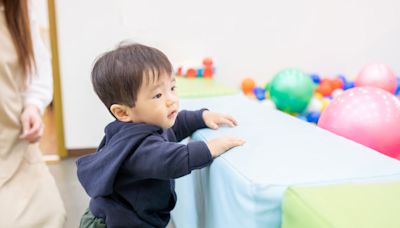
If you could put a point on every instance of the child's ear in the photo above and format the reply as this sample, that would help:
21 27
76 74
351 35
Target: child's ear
121 112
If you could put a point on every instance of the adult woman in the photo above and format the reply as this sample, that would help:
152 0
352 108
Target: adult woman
28 194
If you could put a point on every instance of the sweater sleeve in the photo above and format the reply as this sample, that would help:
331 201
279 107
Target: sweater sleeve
188 122
160 159
40 87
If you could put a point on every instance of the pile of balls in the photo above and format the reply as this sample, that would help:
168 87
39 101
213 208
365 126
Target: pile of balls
207 70
365 110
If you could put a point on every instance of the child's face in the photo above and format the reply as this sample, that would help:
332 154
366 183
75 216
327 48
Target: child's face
157 102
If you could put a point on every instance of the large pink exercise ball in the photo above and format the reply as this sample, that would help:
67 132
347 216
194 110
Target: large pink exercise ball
377 75
367 115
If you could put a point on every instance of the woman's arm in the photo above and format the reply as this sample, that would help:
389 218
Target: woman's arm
40 84
39 92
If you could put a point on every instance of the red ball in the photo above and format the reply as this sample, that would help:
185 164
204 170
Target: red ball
208 72
207 62
191 73
325 88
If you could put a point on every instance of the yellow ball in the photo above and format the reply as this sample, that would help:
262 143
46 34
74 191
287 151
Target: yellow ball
318 96
325 103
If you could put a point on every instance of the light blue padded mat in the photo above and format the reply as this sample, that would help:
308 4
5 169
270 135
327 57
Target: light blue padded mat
244 187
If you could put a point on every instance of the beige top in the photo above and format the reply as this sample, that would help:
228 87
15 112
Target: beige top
12 99
11 104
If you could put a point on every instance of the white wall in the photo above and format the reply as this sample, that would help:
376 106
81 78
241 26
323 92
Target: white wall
246 38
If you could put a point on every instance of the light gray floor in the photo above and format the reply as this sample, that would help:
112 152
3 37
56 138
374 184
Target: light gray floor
75 199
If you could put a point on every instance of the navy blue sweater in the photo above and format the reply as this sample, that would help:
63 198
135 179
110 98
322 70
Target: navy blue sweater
130 177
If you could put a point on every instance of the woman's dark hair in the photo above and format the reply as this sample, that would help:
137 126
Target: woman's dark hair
17 19
118 74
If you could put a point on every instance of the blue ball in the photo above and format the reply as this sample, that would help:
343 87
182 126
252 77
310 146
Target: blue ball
348 85
397 92
315 78
313 117
343 78
199 72
259 93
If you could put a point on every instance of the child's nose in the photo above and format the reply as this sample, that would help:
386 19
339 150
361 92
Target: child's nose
171 100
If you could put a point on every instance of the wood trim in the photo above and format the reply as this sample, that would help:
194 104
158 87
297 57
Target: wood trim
57 101
80 152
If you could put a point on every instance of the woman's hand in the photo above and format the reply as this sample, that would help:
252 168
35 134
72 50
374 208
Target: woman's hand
32 125
213 119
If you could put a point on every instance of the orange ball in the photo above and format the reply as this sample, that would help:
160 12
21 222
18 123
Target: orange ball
337 83
248 85
325 88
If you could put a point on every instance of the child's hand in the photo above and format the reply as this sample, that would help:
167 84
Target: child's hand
219 146
213 119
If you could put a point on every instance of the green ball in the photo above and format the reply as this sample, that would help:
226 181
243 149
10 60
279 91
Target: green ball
291 90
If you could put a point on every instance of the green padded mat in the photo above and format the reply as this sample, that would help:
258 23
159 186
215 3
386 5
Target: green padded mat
343 206
202 87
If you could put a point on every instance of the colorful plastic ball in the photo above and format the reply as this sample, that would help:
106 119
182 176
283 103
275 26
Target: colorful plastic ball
377 75
315 78
398 87
325 102
179 71
367 115
191 73
313 117
266 87
199 72
315 105
247 85
208 72
348 85
343 78
207 62
337 83
318 96
291 90
267 96
325 88
259 93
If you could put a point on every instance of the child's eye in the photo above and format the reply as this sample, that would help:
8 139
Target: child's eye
173 88
157 96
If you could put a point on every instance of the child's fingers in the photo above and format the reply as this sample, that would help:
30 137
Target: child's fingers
239 142
213 125
234 141
227 121
232 119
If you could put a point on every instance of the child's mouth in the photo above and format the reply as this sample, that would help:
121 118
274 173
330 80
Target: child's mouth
172 114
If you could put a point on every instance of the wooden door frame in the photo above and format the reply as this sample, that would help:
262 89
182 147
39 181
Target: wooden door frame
57 101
